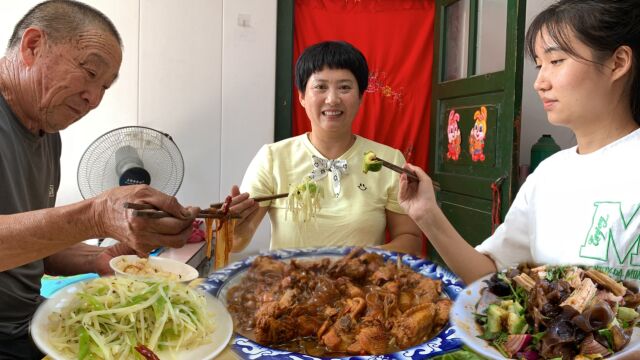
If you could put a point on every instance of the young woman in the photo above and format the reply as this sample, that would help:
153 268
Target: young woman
582 205
331 78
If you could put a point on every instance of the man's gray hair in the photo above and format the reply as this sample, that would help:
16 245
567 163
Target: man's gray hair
61 20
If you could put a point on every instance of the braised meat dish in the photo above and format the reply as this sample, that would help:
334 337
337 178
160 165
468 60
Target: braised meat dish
355 305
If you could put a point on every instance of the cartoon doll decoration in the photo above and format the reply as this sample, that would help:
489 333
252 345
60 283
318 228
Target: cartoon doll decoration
453 134
478 134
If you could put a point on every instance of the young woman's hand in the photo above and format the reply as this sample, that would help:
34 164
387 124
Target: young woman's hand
416 198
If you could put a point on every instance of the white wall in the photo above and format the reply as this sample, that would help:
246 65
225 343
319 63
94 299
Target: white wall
189 69
534 118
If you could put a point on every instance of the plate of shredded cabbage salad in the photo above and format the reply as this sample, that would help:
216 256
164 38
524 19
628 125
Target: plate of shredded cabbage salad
549 312
126 318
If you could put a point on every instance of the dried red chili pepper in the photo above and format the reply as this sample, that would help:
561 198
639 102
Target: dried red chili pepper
146 352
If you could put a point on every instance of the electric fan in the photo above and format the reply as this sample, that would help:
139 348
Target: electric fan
131 155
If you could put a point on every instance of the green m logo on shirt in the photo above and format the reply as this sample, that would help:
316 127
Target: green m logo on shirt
613 233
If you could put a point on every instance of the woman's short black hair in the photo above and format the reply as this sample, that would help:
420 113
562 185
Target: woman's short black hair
602 25
332 55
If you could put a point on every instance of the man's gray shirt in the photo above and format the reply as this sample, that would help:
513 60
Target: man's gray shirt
29 180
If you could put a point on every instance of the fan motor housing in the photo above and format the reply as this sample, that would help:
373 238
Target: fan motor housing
135 176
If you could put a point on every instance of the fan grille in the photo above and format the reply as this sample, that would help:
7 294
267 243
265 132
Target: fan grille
159 154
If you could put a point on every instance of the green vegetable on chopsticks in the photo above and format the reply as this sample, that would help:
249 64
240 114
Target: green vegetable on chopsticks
371 163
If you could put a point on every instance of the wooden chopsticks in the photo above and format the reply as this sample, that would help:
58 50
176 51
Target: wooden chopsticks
256 199
412 176
149 211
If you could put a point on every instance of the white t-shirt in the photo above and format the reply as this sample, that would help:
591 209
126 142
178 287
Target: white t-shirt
577 209
357 217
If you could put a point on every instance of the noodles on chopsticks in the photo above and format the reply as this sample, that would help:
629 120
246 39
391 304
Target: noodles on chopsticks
208 223
224 242
224 228
304 200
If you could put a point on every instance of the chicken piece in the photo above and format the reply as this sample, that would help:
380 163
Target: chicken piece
373 340
337 267
287 299
326 325
340 334
332 340
354 307
308 325
275 331
273 321
383 274
355 269
392 286
373 261
406 300
348 288
414 325
428 290
266 265
268 310
442 313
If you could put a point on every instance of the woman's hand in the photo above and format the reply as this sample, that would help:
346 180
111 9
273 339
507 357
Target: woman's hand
242 204
416 198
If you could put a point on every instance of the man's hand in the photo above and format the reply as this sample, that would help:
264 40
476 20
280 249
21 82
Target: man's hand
102 259
139 233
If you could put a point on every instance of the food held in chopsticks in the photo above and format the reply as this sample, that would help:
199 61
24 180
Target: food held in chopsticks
224 229
224 211
149 211
373 163
224 242
111 318
355 305
557 312
303 201
370 162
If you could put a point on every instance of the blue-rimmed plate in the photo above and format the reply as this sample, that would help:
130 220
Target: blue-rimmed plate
445 341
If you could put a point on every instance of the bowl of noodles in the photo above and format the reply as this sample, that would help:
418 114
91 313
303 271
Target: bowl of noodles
152 268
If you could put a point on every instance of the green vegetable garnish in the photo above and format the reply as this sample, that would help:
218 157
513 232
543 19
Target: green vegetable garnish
370 163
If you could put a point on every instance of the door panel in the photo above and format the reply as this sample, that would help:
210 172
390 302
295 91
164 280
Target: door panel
486 96
471 216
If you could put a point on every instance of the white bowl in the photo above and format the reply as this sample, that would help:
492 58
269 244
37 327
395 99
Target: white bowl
182 271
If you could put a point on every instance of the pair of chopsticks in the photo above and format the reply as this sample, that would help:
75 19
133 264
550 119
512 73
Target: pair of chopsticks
256 199
149 211
412 176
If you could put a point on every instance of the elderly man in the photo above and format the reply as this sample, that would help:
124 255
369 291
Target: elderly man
62 57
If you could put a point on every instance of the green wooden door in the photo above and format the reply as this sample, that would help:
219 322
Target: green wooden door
477 84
